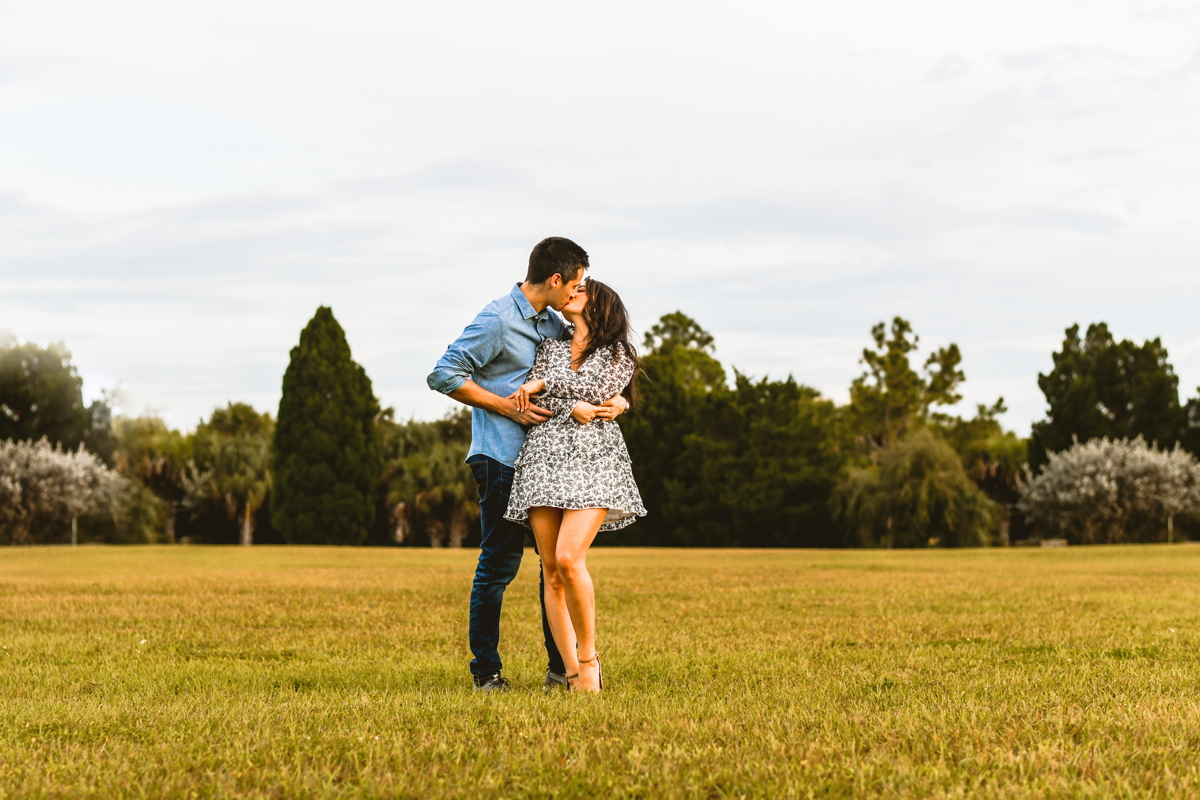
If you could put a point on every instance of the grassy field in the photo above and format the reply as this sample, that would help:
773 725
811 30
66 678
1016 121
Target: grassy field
320 672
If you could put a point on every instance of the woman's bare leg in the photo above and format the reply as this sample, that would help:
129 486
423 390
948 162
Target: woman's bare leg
545 523
576 533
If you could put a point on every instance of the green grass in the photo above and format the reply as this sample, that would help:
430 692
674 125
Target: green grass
319 672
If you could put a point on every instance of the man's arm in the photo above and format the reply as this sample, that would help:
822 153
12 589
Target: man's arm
472 394
477 345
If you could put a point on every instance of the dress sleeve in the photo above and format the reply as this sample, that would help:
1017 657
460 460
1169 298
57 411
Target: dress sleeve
595 389
541 365
540 359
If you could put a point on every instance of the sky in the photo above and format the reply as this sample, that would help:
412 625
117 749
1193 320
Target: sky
182 185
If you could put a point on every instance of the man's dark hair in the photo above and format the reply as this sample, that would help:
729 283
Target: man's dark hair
555 256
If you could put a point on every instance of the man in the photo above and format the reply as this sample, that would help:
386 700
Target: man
483 369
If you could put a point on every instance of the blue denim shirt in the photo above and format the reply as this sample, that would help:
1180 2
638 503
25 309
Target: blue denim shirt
496 351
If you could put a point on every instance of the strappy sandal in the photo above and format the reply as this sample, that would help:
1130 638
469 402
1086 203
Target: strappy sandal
599 669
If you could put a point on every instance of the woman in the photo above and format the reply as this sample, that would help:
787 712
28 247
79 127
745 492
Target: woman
572 478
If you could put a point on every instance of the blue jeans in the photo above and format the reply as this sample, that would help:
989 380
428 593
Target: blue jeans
499 559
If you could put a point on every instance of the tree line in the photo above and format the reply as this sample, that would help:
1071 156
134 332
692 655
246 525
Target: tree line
766 463
331 468
722 460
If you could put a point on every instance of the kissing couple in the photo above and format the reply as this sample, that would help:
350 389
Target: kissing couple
545 391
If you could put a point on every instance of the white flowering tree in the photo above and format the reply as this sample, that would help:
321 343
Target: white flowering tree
42 485
1111 491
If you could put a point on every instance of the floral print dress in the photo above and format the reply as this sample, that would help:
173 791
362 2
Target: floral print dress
567 465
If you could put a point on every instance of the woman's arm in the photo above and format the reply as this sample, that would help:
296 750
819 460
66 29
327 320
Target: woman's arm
541 361
598 388
536 384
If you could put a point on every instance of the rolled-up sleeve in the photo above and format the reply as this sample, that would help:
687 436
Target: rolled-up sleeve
479 343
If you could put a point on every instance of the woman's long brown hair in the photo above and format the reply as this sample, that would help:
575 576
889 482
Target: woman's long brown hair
608 327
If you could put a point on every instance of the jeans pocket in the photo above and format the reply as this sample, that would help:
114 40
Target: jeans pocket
479 471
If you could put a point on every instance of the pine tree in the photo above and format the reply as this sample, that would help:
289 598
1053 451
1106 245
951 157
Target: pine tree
327 457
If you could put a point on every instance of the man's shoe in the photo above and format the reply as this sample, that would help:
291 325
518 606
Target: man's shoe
554 681
492 683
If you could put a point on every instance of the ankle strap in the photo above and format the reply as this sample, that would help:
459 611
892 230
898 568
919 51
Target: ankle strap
588 660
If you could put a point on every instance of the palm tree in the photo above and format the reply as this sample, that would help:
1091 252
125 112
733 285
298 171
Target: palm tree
232 465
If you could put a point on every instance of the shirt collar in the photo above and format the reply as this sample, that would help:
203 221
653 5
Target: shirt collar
524 305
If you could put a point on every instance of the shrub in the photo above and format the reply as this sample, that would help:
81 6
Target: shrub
1111 491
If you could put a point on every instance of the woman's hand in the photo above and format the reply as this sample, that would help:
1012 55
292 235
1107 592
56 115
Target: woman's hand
583 413
613 408
526 391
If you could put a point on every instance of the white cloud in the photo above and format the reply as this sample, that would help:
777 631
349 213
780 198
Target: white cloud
949 67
